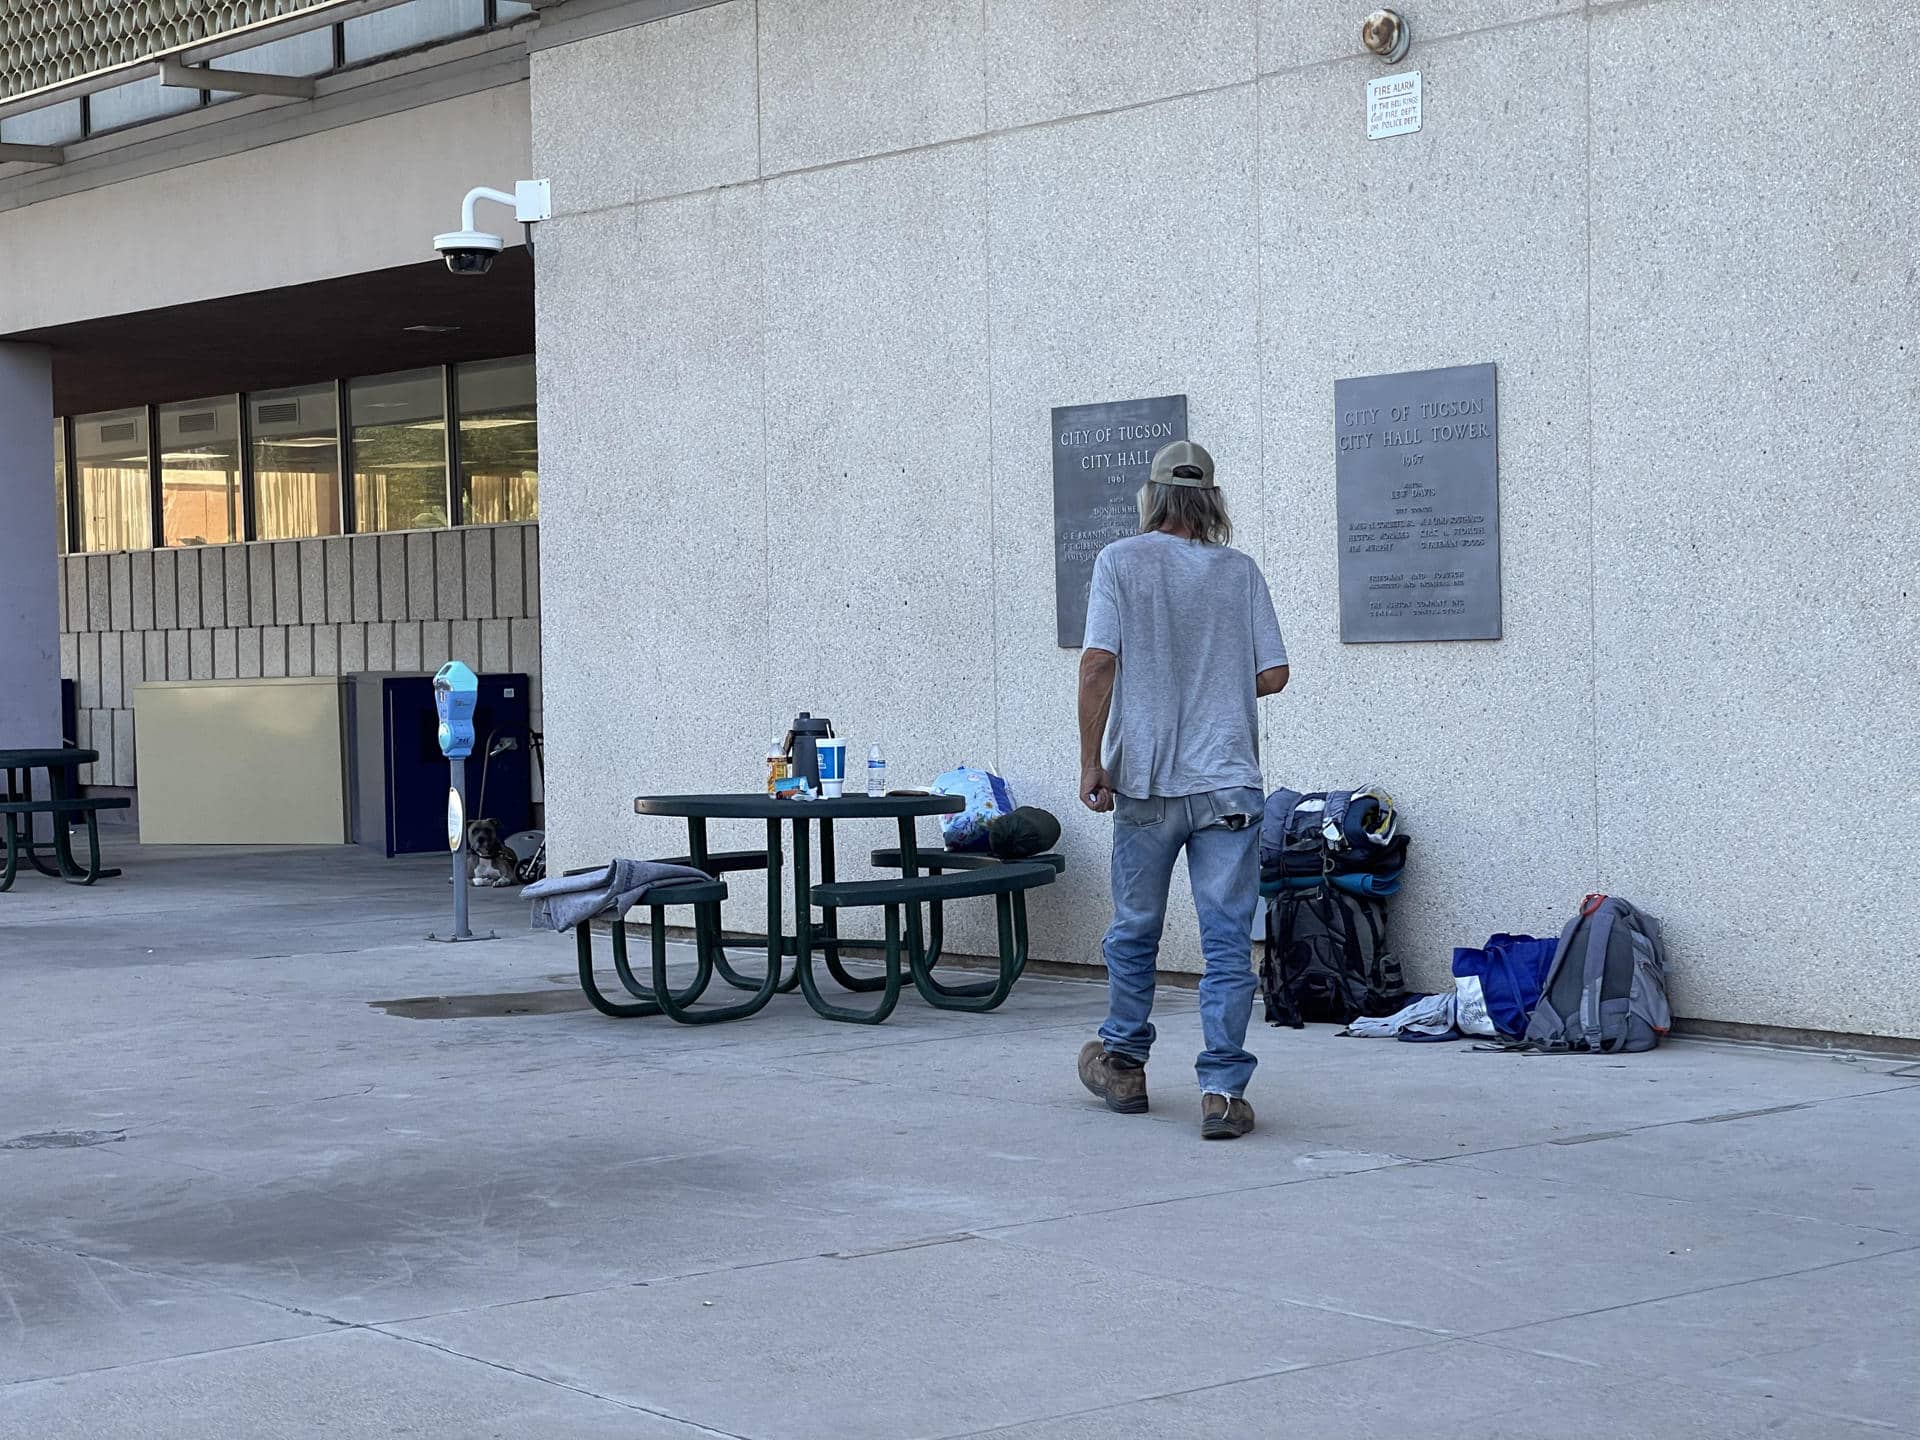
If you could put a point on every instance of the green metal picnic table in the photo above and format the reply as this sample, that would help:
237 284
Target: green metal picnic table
19 805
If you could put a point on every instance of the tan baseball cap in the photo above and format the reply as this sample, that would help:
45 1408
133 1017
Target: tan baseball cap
1182 463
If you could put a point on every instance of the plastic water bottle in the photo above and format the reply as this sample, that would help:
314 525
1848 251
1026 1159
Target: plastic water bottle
876 772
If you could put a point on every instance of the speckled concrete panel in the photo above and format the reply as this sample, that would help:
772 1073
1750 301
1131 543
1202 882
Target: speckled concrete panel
1755 367
509 571
479 570
248 664
89 669
1487 746
421 587
166 589
877 366
406 645
226 655
393 577
366 577
326 649
380 646
99 594
353 648
1307 32
187 586
178 656
462 643
286 582
1052 58
213 583
133 664
313 582
200 654
142 590
120 586
155 644
112 673
663 673
524 638
76 577
1087 310
494 654
238 574
602 106
339 557
449 571
260 583
273 652
916 70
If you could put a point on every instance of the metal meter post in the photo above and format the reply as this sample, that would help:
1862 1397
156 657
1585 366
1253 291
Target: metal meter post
456 690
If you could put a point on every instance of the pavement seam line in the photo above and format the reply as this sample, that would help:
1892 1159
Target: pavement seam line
426 1344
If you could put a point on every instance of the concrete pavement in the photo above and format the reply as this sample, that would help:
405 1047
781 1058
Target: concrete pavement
240 1198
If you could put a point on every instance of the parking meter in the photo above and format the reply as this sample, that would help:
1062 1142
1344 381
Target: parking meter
456 690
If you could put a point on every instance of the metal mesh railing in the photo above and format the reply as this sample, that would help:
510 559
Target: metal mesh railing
45 42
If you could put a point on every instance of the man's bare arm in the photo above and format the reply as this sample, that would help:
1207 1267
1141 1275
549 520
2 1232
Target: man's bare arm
1269 682
1097 669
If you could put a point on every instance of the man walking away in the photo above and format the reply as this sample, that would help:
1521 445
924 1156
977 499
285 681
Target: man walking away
1181 641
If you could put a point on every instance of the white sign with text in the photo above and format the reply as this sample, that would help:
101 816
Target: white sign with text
1393 105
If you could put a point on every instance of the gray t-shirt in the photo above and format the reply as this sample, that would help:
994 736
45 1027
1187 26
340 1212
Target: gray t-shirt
1192 624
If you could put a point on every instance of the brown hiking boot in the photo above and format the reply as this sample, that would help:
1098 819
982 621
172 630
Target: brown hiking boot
1119 1081
1222 1118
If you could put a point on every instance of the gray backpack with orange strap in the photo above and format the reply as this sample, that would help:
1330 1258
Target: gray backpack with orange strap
1606 990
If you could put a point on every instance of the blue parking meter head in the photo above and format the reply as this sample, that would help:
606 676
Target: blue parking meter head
455 691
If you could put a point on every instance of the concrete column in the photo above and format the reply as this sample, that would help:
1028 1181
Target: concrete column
29 601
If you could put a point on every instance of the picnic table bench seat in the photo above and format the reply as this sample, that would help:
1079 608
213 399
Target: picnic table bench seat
936 860
660 998
1006 882
19 843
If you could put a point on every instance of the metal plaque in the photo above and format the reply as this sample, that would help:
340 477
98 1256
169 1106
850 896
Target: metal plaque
1417 465
1393 105
1101 455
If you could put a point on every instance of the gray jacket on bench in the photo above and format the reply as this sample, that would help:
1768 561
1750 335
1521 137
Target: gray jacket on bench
561 902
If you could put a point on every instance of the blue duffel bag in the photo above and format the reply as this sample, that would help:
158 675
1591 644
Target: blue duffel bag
1496 986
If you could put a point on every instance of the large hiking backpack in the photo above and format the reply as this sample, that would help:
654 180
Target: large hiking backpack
1607 989
1327 958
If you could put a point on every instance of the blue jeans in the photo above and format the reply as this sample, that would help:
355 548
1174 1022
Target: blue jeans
1224 866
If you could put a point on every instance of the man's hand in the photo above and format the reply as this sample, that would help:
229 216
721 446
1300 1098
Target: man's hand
1096 789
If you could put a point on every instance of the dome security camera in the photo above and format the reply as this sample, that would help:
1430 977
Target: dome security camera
470 251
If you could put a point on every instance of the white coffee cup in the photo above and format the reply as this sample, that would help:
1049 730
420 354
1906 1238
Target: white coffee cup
833 767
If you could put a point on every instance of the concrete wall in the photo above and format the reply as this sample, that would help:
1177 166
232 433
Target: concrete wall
354 198
409 601
821 267
29 624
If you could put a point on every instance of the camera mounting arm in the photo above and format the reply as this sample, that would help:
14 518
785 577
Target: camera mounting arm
531 200
469 251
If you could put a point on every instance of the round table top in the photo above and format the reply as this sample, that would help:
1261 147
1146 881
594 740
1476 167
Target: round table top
28 759
761 806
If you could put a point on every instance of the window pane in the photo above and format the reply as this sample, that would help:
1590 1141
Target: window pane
60 483
200 472
50 125
296 462
387 32
399 451
110 458
499 442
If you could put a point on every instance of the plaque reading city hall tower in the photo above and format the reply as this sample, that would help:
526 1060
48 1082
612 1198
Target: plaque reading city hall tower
1417 466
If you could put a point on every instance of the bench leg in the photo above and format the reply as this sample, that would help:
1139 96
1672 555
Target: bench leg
13 852
583 940
985 995
706 929
93 871
889 995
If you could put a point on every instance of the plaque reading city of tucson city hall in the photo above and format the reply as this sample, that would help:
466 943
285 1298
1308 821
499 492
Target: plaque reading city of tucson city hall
1417 465
1101 456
